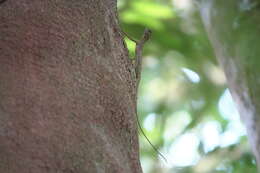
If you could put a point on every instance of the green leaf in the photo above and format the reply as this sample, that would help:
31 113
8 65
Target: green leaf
153 10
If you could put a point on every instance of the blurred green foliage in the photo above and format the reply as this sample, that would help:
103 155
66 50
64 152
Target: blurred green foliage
183 103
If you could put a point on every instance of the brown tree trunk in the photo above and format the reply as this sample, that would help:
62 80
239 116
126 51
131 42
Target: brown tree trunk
67 98
233 28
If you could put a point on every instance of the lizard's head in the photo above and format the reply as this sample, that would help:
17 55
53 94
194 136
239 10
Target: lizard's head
147 34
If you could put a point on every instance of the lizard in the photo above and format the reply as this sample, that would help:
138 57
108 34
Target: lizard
137 69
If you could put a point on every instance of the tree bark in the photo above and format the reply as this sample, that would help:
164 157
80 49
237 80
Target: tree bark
67 97
233 29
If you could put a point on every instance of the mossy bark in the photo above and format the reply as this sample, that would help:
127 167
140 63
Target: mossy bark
233 28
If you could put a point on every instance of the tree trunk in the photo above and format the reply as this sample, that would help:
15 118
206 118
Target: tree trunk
67 97
233 29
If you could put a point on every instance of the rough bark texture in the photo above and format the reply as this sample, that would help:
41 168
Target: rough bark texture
67 98
233 28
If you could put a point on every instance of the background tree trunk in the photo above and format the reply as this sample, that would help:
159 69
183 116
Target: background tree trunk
233 28
67 98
